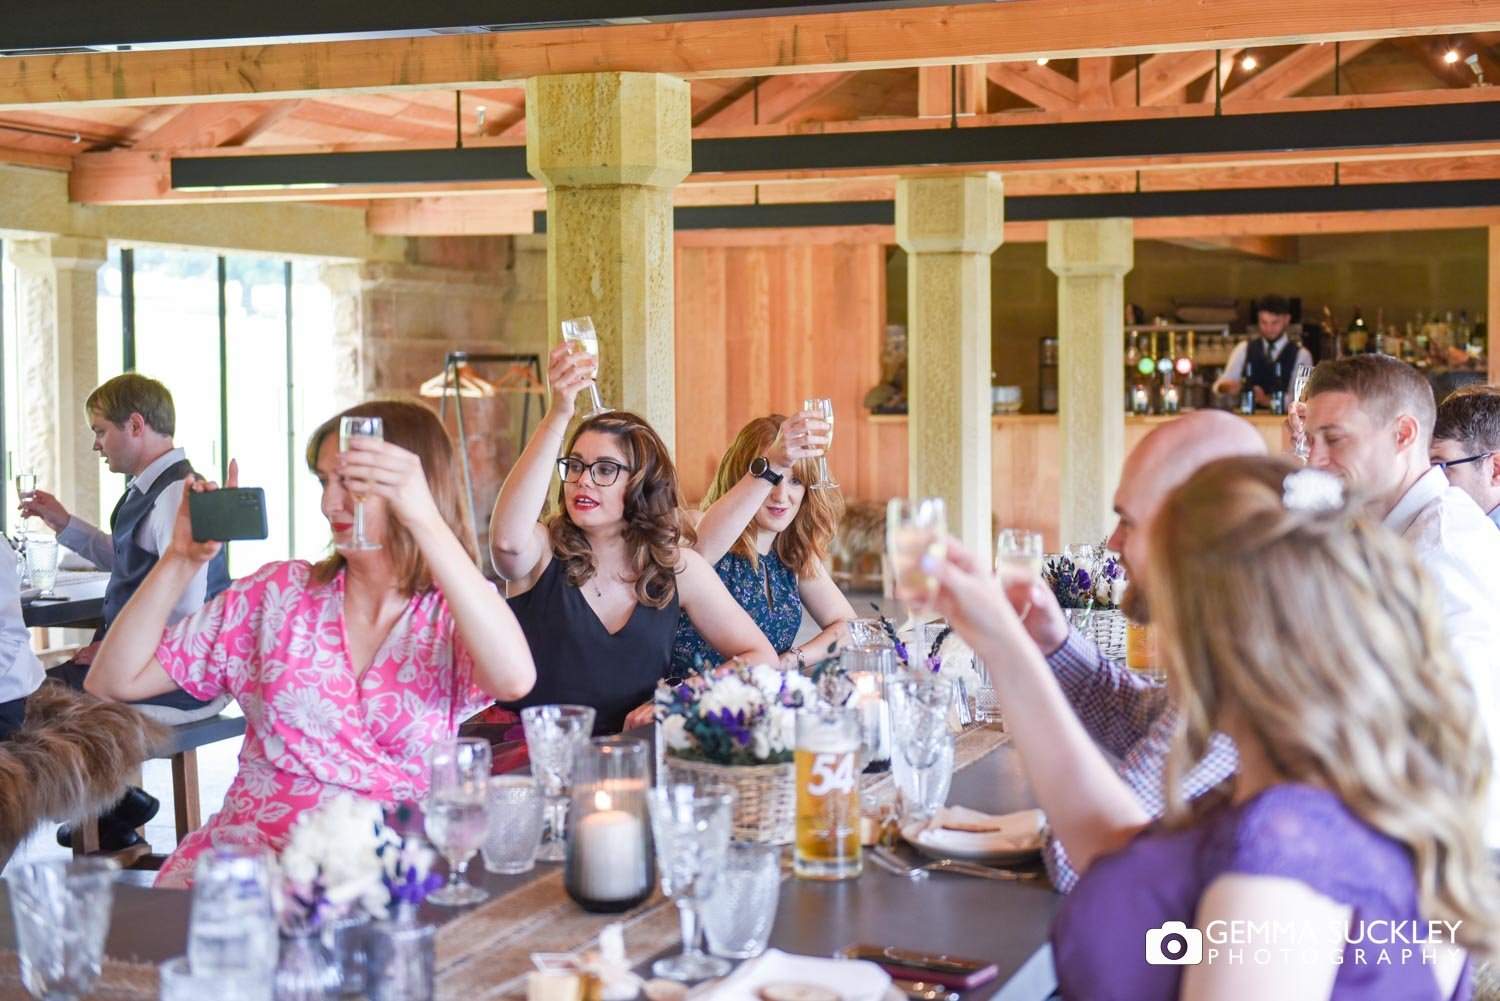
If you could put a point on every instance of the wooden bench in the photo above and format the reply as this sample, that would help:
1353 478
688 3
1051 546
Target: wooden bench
186 805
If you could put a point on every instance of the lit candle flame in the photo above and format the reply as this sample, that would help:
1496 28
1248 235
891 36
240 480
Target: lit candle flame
602 801
866 684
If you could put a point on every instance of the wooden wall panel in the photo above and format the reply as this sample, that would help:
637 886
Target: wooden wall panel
761 328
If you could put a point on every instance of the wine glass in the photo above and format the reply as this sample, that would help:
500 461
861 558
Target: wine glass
456 817
691 830
579 335
26 492
349 429
1018 560
914 529
1299 392
823 408
922 761
554 736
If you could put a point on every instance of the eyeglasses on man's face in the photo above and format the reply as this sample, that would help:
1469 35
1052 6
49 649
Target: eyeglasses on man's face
603 472
1449 464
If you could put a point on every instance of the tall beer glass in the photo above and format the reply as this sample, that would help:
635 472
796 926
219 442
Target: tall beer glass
828 743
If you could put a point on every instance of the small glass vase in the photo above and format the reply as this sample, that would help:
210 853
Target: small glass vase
306 970
402 959
347 940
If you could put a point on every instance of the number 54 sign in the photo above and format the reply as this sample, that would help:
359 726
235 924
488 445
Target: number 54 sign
832 773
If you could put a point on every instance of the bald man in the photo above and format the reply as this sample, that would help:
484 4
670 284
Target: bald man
1127 714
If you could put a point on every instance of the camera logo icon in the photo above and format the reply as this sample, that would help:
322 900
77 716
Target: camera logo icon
1174 944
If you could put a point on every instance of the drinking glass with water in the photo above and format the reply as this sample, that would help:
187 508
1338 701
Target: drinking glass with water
232 931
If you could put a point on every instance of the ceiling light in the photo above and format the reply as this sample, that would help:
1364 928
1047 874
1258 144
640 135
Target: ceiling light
1042 61
1249 63
1450 57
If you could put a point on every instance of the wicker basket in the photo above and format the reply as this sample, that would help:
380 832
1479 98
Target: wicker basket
1107 627
765 807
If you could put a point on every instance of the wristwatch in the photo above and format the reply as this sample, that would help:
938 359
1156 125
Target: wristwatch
760 468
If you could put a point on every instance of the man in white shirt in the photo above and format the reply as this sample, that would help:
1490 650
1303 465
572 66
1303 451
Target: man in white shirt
1369 420
1266 364
133 420
20 671
1466 445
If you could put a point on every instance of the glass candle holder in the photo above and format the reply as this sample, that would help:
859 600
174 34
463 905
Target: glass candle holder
867 669
608 867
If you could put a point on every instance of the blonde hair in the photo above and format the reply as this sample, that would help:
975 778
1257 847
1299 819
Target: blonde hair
804 544
1370 705
415 427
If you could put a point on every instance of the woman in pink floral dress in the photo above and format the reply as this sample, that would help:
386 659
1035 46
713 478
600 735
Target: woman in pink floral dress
347 670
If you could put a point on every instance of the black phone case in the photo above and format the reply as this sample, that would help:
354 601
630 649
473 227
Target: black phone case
228 514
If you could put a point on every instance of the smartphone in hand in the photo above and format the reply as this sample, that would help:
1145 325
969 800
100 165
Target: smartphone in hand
228 513
934 968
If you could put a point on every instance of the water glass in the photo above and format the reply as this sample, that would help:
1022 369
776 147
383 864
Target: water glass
986 700
579 335
554 737
742 908
868 633
691 831
455 813
180 982
232 931
60 912
349 429
41 565
823 407
515 825
922 761
923 790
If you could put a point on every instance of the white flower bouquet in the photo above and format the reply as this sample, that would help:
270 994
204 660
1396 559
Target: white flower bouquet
734 715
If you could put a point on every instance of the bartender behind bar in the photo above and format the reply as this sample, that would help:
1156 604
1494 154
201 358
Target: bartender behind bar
1266 364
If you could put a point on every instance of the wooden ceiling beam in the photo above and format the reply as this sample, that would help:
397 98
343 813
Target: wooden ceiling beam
1296 71
1160 76
952 91
272 114
1277 249
774 98
204 125
851 40
1042 86
1096 82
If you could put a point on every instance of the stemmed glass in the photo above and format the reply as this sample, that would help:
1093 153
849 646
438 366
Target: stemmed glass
914 529
554 736
61 913
691 830
349 429
579 335
26 492
1018 560
1299 390
923 758
456 819
823 408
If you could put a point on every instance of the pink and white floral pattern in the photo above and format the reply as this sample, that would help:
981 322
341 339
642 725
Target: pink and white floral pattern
277 643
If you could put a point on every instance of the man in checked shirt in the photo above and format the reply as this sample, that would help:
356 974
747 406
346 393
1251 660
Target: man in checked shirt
1127 714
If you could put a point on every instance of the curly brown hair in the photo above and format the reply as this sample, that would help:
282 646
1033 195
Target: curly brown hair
653 526
804 544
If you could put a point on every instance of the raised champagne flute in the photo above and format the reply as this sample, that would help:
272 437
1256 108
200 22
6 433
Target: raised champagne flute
1299 392
1018 560
823 408
914 529
456 813
579 335
349 429
26 493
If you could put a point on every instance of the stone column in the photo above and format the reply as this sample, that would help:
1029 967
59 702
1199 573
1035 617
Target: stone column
58 349
1090 258
950 226
610 147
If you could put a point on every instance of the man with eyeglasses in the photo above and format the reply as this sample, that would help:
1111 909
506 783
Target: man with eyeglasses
1466 445
1369 420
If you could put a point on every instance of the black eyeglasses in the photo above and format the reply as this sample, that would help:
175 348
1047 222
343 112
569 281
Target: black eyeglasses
1458 462
603 472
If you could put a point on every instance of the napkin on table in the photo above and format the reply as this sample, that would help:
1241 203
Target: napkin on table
1012 832
850 979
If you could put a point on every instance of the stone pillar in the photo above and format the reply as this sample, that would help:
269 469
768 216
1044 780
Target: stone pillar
610 147
1090 258
58 349
950 226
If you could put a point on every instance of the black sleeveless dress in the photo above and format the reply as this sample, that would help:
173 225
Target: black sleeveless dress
579 662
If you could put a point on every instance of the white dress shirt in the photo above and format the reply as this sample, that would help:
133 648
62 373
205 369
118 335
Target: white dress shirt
20 671
153 534
1234 369
1495 517
1460 550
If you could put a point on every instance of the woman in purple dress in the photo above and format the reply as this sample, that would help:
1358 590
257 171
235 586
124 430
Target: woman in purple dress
1345 858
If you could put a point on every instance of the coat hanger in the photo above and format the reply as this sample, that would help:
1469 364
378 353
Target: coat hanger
471 385
520 380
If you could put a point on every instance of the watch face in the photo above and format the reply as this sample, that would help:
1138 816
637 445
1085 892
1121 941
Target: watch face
759 465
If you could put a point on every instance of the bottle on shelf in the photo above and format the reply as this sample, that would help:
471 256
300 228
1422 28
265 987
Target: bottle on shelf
1358 336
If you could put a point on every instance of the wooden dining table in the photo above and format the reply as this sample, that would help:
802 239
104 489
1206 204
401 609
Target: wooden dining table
1005 923
82 605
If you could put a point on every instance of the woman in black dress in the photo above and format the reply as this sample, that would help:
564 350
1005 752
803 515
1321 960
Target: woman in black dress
599 585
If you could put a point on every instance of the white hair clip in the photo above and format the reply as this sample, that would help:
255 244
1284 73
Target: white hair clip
1312 490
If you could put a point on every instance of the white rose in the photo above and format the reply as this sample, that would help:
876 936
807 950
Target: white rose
674 732
760 745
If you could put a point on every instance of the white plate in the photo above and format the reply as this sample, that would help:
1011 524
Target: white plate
702 991
992 856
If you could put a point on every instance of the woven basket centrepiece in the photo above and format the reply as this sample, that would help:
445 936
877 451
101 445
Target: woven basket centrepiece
765 805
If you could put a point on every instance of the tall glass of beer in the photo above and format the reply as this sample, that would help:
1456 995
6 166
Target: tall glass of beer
828 743
1141 653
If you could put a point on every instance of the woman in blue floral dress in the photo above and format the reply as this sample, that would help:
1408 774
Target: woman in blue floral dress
767 535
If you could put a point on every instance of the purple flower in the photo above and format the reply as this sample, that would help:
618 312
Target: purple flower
735 724
1081 579
411 889
934 663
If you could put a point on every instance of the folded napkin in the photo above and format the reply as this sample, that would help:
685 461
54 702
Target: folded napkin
850 979
1013 832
